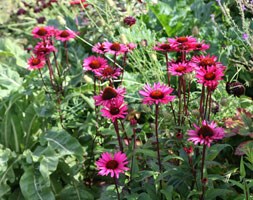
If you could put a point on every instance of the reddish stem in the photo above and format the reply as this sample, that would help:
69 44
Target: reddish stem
116 127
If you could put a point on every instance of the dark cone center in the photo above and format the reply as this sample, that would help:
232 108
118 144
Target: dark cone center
182 39
209 76
165 47
180 68
35 61
205 131
156 94
115 47
114 110
102 47
42 31
64 34
109 93
112 164
207 62
95 64
108 71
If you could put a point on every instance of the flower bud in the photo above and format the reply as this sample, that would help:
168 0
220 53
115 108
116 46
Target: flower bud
129 21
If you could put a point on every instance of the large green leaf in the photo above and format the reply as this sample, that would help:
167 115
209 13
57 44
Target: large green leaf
214 150
34 186
213 193
63 143
75 192
48 162
9 80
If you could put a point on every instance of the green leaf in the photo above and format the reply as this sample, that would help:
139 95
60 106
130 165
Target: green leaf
144 196
213 193
4 189
108 193
238 184
146 152
169 157
9 80
48 162
74 192
214 150
34 186
242 169
63 143
167 191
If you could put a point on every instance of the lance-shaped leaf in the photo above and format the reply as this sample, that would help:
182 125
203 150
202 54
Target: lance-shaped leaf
63 143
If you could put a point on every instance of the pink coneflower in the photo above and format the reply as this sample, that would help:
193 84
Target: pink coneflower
116 110
130 47
94 64
115 48
108 73
159 93
210 76
179 69
204 61
78 2
183 43
99 48
36 63
182 40
43 32
64 35
114 164
201 46
206 133
44 48
164 47
109 94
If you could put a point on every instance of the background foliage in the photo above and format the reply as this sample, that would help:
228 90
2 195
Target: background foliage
45 157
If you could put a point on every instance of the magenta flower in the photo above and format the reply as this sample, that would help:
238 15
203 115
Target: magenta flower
159 93
206 133
116 110
114 164
130 47
164 47
182 40
99 48
210 76
36 62
94 64
204 61
44 48
179 69
201 46
115 48
108 73
245 36
43 32
78 2
65 35
183 43
109 94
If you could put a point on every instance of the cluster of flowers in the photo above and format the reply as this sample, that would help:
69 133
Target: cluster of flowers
208 71
40 6
99 66
112 99
43 48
